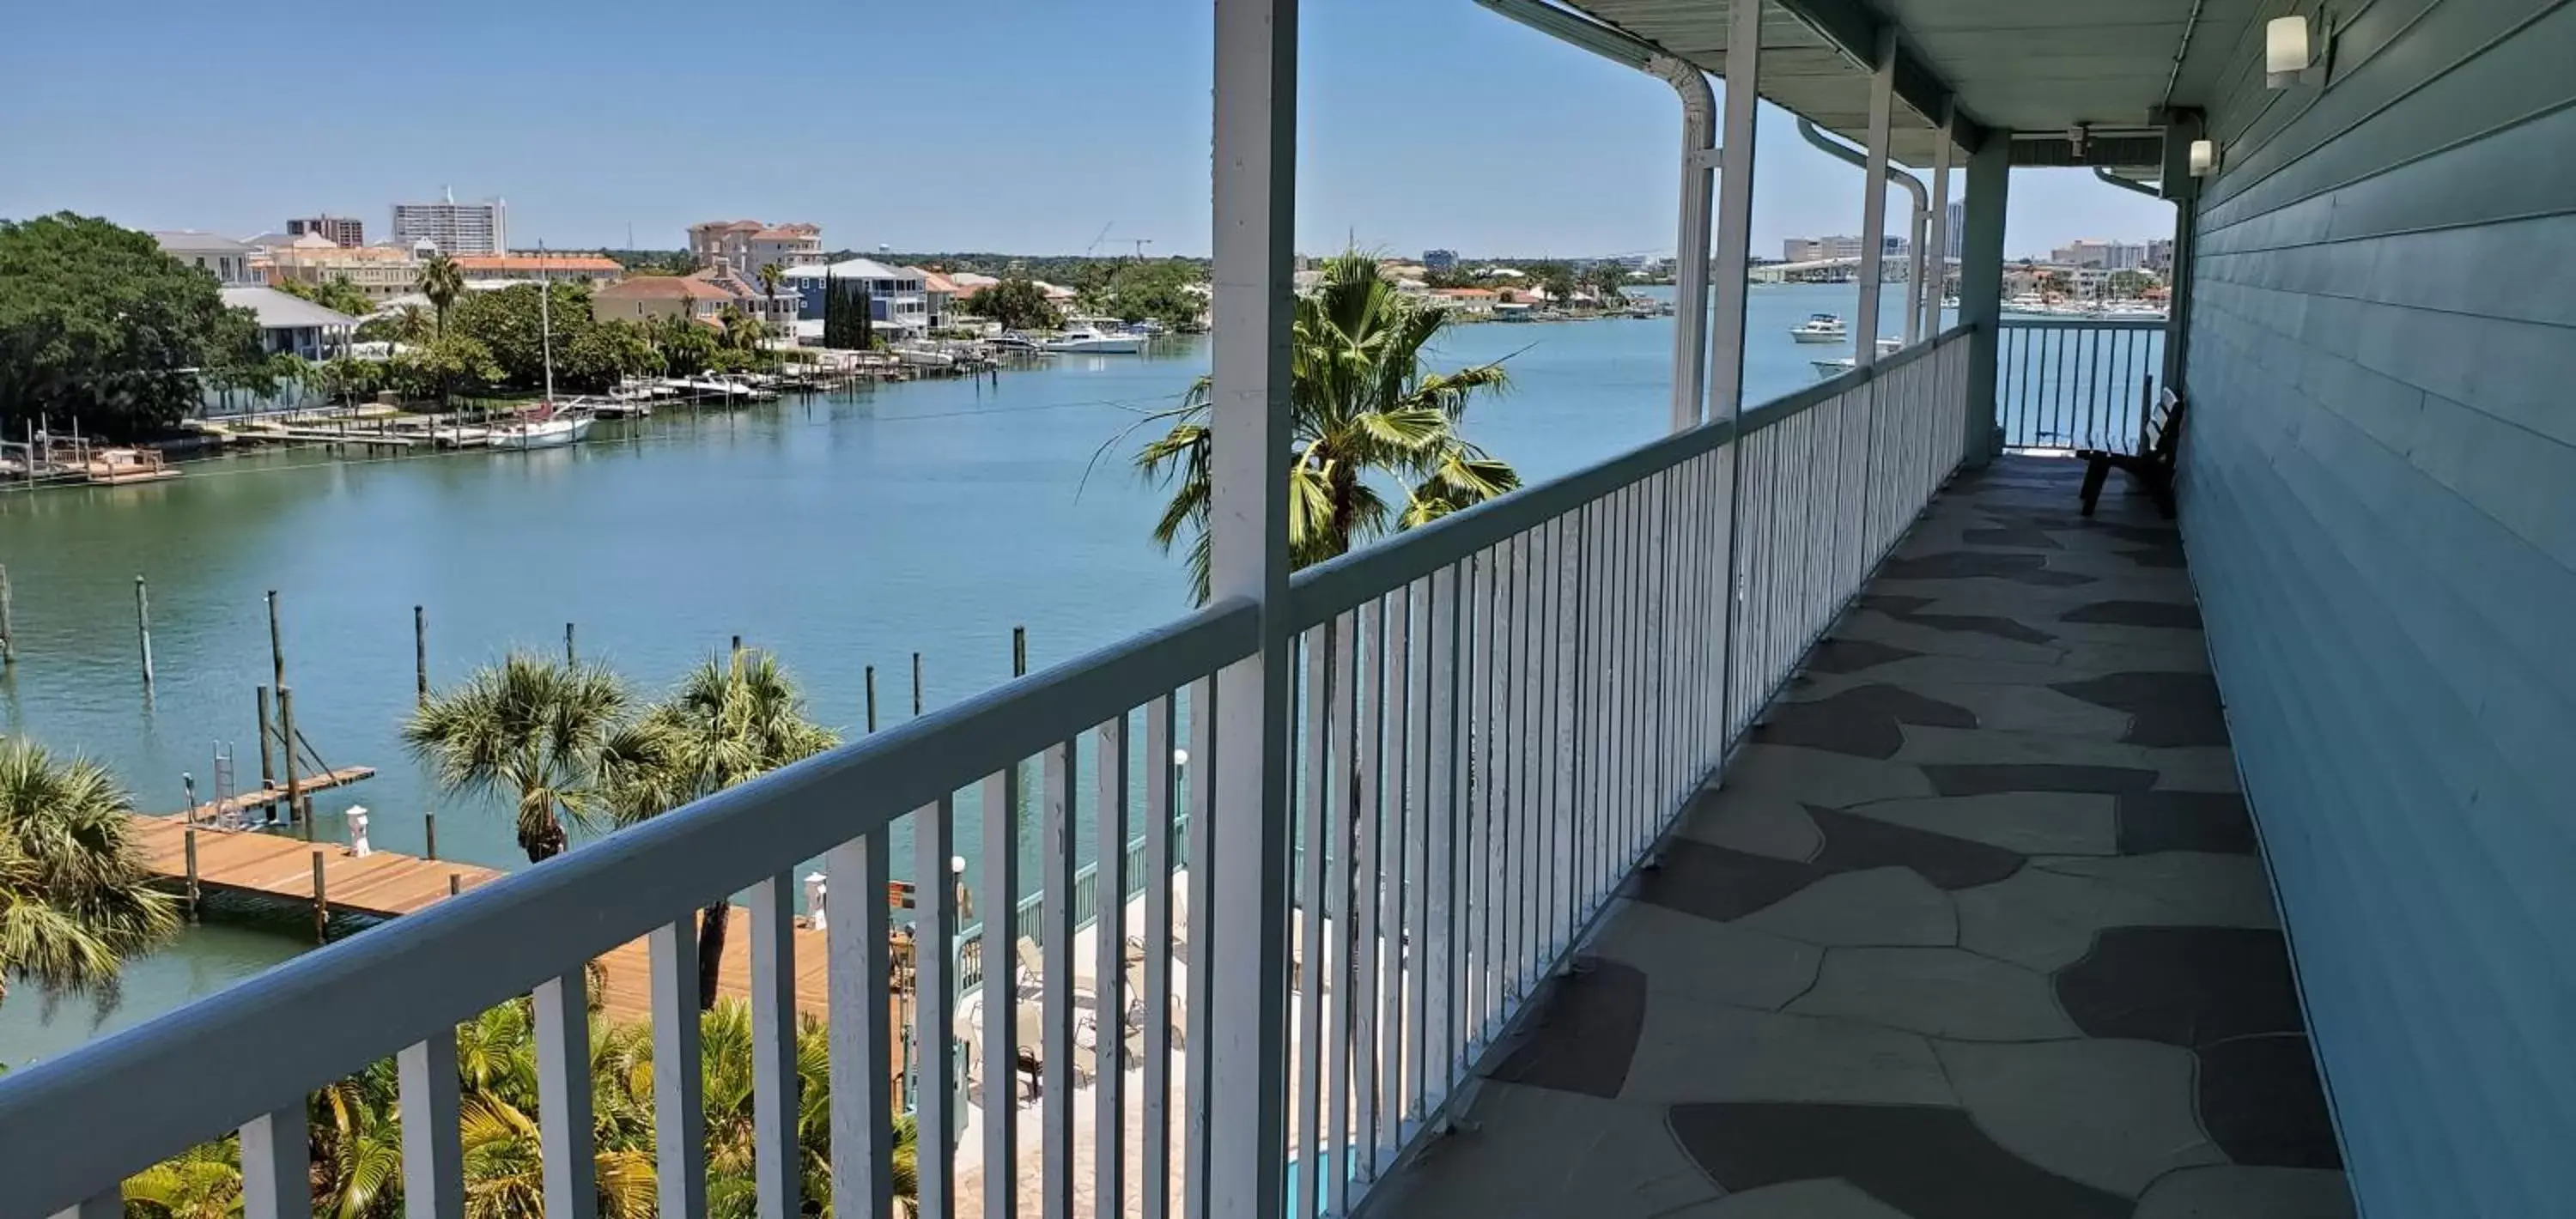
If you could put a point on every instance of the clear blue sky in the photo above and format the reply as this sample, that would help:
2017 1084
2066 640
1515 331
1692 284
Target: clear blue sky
1020 125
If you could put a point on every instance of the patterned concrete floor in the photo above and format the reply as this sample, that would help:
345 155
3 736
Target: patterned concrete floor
1976 928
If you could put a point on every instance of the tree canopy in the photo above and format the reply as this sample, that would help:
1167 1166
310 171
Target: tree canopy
335 293
1159 290
99 325
1017 303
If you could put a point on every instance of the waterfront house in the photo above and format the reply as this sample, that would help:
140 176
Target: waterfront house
1844 804
380 272
229 261
897 296
700 295
1473 301
751 244
483 271
938 293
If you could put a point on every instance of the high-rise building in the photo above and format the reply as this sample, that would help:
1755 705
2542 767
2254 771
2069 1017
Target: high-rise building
1440 260
347 232
1955 229
454 228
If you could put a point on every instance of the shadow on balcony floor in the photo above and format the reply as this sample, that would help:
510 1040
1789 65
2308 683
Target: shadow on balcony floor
1977 927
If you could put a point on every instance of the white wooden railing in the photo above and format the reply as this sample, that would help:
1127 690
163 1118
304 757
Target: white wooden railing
1495 718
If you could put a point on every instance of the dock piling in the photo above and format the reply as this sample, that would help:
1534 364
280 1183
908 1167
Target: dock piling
1019 651
455 884
276 649
192 872
569 660
916 685
267 753
295 806
872 698
429 833
321 903
8 614
420 656
143 626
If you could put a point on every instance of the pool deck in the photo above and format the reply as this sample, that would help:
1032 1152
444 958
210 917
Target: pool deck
1977 926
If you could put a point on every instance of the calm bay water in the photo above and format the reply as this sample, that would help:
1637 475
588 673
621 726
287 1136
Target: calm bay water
845 532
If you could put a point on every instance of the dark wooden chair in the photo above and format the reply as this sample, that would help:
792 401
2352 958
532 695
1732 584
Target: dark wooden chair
2153 466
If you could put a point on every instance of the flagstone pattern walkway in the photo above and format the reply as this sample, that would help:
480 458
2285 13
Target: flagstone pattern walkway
1977 927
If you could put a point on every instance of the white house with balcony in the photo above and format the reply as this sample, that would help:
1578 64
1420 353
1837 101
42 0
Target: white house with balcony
898 297
229 261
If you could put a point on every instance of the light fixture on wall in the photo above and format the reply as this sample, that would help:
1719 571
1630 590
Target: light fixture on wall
2204 157
2290 48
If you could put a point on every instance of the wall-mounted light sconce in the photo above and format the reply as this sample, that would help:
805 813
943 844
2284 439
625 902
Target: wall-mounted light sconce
2293 47
2204 157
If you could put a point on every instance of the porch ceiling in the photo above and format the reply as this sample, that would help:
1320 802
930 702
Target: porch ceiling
2012 64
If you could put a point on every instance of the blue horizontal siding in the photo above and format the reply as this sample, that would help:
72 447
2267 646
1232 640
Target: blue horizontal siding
2380 506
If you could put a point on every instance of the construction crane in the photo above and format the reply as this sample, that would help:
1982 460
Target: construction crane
1141 243
1096 239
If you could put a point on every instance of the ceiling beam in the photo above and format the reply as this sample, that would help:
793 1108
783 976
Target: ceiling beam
1853 26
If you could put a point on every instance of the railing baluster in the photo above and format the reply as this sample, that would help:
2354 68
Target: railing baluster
1368 718
1110 999
1342 827
562 1010
1056 988
776 1184
1202 783
679 1111
1154 1176
1308 1128
1417 846
277 1165
432 1145
862 1030
1436 1034
934 1009
1395 813
1000 1007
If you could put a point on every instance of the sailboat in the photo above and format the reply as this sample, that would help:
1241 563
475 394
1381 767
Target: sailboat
550 424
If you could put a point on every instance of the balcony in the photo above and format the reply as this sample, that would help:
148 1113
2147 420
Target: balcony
1807 813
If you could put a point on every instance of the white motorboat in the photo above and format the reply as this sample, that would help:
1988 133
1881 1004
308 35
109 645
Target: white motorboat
552 427
1093 341
1835 368
1820 328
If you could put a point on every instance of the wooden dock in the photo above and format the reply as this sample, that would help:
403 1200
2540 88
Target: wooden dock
241 805
388 884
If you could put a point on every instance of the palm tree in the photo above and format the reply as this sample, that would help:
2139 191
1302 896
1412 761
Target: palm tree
531 729
1363 410
75 899
769 275
730 721
442 281
203 1182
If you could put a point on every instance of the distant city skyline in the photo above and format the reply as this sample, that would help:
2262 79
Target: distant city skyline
1424 126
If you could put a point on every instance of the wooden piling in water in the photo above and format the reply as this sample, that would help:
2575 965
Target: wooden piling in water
192 872
1019 651
321 902
455 884
267 755
8 613
872 698
568 653
916 685
420 656
429 833
276 648
143 626
295 806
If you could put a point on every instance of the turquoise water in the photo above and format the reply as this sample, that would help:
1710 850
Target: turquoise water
843 532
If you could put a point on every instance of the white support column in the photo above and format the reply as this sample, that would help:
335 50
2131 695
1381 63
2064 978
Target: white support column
1735 208
1690 257
1248 814
1873 214
1937 257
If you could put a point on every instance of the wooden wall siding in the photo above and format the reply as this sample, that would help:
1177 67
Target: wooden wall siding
2380 505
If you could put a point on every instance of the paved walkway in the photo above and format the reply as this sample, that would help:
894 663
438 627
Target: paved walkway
1977 928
